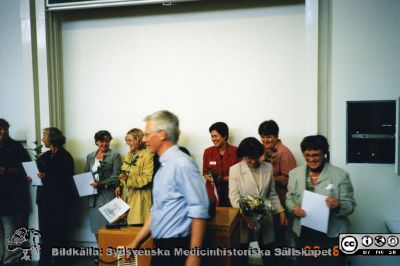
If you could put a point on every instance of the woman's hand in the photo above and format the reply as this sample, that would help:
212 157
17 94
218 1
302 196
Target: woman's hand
332 202
208 178
123 177
298 211
96 184
41 175
118 191
282 219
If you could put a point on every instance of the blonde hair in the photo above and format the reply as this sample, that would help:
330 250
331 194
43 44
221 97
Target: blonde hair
138 135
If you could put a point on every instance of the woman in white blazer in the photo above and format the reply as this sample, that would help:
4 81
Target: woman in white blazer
320 177
252 177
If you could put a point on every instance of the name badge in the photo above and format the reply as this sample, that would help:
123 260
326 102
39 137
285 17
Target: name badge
212 163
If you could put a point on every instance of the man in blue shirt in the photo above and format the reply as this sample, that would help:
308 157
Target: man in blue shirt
180 203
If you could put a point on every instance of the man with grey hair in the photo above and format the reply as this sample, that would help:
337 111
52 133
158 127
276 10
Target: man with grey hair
180 203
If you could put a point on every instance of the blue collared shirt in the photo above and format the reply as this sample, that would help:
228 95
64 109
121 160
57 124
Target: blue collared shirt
179 195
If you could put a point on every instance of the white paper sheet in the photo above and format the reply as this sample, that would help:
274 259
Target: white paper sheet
113 209
317 212
82 183
31 170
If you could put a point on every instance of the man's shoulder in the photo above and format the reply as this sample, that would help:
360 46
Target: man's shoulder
181 160
182 157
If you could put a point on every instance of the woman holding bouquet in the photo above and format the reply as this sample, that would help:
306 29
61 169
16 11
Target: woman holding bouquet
135 178
254 177
105 165
217 160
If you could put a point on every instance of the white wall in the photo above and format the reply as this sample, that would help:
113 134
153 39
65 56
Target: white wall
205 65
13 93
365 66
259 50
241 66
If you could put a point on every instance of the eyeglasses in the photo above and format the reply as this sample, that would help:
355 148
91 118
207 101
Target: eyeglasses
316 155
146 134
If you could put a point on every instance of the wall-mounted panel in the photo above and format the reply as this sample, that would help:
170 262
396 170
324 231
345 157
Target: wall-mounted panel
371 128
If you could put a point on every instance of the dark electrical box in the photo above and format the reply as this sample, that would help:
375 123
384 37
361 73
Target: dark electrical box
371 128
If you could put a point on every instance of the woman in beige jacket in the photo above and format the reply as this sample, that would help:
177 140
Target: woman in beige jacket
135 178
254 177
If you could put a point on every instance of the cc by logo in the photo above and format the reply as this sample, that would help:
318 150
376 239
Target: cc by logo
348 244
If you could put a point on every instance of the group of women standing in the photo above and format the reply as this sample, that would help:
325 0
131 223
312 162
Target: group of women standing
268 169
252 168
130 180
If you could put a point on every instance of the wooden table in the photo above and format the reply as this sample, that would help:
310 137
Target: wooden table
113 238
222 232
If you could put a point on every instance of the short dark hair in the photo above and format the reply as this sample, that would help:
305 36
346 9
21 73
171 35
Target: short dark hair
315 142
221 128
101 135
269 127
250 147
55 136
4 124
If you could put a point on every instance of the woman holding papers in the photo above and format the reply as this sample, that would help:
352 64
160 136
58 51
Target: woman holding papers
105 165
320 177
55 196
254 177
135 178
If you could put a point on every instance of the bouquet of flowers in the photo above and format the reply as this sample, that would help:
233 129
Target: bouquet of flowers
37 151
101 175
126 170
255 207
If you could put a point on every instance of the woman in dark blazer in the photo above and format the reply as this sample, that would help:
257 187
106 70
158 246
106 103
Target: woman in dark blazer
105 164
55 196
